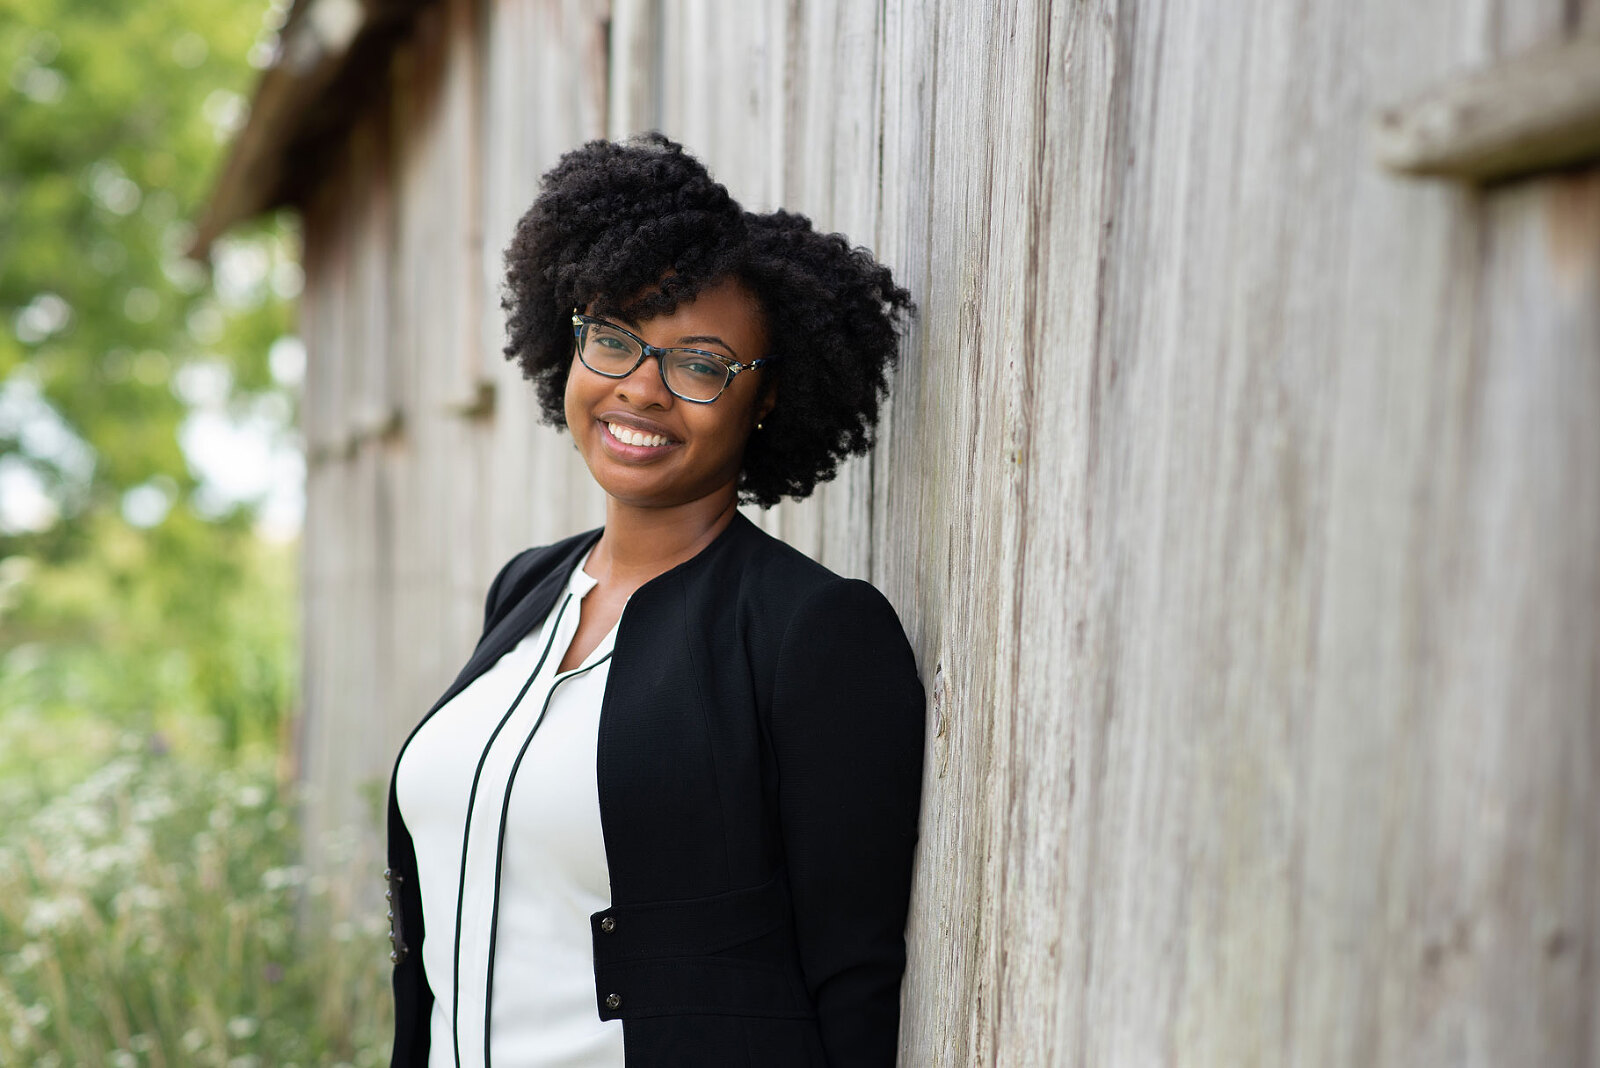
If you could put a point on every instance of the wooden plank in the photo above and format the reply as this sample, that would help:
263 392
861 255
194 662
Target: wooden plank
545 59
1506 853
903 239
830 171
708 47
959 400
373 398
1536 112
633 104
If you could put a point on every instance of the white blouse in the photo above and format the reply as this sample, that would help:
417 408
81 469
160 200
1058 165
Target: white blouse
511 860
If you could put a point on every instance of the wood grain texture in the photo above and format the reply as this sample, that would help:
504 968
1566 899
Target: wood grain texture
548 91
1239 497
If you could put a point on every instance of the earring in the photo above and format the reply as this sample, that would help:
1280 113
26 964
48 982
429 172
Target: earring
758 426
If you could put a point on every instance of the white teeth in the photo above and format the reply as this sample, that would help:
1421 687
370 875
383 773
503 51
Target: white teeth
630 436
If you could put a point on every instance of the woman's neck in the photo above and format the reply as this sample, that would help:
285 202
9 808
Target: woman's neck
640 543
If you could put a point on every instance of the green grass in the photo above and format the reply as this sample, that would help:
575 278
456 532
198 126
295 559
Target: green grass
153 911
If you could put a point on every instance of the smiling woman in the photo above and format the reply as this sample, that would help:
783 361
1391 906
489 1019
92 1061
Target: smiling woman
646 444
666 813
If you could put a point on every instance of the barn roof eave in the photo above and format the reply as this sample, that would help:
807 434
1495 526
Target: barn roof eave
330 56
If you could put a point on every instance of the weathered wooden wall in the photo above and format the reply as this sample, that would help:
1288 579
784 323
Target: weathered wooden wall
1241 499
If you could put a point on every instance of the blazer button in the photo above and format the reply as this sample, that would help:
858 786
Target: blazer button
613 1001
608 925
388 895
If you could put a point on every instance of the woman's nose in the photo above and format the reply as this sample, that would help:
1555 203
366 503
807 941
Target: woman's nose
644 385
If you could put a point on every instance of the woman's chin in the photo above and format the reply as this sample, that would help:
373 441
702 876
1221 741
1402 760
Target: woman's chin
636 487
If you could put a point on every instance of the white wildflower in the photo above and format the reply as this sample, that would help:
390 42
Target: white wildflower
107 859
242 1027
121 1058
250 796
193 1040
50 914
90 822
279 878
152 807
138 898
111 777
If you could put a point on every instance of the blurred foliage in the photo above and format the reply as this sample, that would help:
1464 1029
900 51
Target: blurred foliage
113 129
152 910
96 634
149 914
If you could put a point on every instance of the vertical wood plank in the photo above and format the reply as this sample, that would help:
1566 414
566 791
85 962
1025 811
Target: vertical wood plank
634 74
547 80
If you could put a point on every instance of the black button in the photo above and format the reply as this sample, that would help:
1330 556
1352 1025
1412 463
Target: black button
607 925
613 1001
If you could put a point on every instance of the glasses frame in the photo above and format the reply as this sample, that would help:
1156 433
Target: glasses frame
647 350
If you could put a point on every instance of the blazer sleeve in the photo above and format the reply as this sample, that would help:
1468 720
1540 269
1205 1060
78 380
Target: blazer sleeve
847 730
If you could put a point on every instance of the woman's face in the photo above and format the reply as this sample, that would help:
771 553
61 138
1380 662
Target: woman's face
689 452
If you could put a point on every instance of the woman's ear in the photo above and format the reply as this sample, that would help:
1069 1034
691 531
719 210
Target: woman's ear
764 406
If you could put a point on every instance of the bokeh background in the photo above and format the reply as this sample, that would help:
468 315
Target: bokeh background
150 508
1237 491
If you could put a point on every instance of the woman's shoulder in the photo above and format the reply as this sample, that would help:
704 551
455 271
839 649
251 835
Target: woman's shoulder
529 567
780 580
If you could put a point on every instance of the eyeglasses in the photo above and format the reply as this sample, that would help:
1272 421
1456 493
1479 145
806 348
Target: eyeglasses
693 375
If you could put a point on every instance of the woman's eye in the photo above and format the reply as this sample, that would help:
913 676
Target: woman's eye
701 367
610 341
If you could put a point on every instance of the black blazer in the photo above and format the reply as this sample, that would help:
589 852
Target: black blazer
759 765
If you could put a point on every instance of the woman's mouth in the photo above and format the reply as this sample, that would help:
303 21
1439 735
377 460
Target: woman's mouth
637 438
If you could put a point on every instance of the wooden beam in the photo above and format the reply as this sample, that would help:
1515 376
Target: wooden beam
1535 112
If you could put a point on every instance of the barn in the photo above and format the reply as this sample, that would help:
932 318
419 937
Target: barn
1240 490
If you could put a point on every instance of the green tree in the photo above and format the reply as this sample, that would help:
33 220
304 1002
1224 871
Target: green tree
129 588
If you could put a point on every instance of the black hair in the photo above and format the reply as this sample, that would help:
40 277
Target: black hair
643 222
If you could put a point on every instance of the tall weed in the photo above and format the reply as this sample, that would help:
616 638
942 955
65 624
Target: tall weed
156 913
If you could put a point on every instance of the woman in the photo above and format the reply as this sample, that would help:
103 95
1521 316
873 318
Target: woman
666 813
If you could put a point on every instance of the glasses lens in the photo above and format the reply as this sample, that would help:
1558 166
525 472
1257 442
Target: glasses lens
695 375
608 350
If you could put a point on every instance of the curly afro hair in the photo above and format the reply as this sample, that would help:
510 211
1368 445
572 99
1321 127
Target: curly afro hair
638 227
